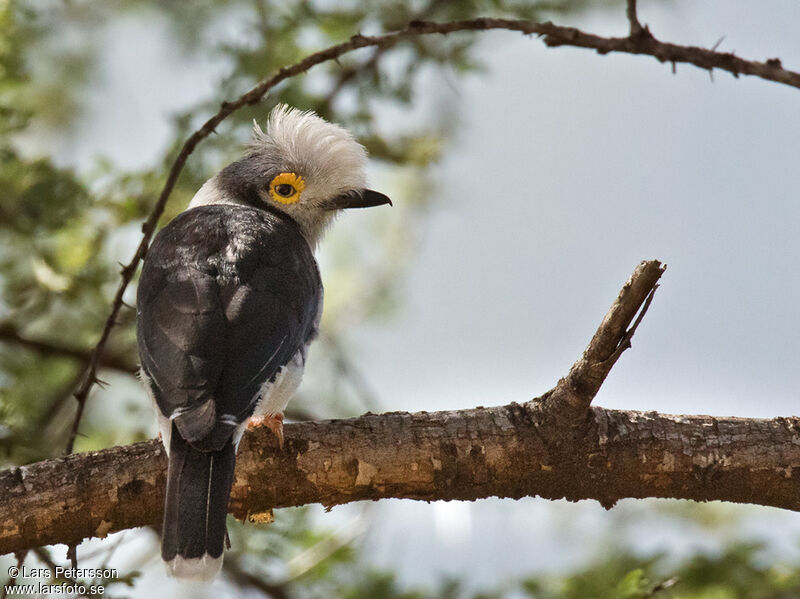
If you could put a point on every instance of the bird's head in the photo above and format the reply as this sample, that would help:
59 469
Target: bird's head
301 165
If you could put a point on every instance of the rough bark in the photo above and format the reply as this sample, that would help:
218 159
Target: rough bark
555 446
467 454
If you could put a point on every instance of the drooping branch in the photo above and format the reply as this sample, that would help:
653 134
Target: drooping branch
507 451
640 41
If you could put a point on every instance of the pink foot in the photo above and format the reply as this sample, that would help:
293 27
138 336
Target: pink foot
273 422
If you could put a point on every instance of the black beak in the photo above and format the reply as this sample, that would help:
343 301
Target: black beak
358 198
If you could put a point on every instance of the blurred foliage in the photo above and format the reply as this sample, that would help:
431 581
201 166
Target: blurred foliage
329 564
65 226
739 571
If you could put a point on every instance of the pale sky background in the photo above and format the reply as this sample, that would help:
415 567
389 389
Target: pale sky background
568 169
603 162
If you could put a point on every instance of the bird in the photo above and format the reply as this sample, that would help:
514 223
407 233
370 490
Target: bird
229 300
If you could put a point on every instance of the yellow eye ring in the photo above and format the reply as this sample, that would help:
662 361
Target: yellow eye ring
286 188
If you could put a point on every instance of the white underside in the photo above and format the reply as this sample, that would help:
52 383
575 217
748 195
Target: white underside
275 397
198 569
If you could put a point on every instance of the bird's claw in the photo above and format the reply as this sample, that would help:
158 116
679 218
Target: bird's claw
273 422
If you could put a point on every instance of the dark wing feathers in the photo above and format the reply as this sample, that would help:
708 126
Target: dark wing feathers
178 344
228 295
198 487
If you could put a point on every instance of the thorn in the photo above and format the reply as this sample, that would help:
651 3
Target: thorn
101 383
674 68
715 46
711 74
72 555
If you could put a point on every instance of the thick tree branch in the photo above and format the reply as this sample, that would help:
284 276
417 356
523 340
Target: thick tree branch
467 454
639 42
507 451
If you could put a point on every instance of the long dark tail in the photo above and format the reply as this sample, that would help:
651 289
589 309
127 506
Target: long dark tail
198 488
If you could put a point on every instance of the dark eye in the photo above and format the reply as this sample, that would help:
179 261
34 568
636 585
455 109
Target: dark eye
284 190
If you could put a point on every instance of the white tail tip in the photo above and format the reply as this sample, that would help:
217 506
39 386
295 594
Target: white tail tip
199 569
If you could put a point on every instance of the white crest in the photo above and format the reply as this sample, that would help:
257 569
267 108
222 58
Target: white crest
326 154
